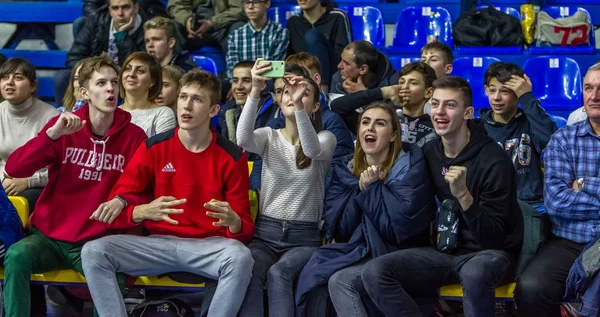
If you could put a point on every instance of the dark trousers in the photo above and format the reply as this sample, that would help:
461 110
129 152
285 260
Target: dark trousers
280 249
318 45
405 283
212 38
542 286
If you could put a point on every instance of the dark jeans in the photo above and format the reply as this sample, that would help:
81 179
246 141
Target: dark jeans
280 249
61 83
406 282
542 286
318 45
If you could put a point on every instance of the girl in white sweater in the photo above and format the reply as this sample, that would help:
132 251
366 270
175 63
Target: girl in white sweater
22 116
141 82
296 159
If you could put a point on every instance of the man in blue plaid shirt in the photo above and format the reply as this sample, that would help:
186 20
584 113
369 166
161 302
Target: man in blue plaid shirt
572 198
260 37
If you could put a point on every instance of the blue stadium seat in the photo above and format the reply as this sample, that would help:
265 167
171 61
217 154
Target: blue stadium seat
282 12
472 69
494 50
206 63
45 89
561 12
416 24
40 59
557 82
560 121
399 61
367 24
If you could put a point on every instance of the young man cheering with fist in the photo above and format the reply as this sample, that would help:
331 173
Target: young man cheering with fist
477 178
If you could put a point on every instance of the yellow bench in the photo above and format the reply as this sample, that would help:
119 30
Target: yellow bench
455 292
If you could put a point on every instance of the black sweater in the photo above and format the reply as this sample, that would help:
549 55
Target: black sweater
494 220
334 24
524 138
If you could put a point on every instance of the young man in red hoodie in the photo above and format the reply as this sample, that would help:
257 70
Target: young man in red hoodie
86 153
200 218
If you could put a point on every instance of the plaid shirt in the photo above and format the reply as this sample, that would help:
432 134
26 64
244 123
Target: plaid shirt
573 152
247 44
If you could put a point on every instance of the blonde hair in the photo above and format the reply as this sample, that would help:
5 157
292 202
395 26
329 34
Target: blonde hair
360 158
69 98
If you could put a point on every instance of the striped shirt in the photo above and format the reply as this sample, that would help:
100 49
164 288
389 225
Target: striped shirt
573 152
247 44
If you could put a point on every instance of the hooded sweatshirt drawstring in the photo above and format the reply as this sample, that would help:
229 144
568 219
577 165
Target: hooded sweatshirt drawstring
103 143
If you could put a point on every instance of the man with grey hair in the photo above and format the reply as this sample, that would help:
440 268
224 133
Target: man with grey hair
572 198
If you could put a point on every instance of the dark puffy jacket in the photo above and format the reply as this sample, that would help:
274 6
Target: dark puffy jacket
11 228
92 40
384 217
184 61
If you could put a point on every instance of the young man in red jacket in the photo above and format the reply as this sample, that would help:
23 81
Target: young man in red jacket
86 153
200 218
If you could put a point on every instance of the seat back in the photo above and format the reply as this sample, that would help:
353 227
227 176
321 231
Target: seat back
503 8
367 24
399 61
282 12
206 63
22 206
557 81
417 24
560 121
564 11
473 70
45 89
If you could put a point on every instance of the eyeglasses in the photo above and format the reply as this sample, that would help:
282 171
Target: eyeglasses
255 2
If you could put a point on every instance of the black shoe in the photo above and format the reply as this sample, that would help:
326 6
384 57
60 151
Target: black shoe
60 296
134 295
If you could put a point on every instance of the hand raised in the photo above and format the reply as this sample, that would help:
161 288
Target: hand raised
66 124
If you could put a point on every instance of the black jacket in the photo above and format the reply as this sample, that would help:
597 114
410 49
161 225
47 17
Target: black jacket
494 220
524 138
151 7
385 75
92 40
334 24
183 60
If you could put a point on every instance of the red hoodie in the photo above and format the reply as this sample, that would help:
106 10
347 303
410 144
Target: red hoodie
82 170
169 169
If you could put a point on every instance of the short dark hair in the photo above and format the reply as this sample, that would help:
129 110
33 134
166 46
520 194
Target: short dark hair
456 83
154 69
243 64
502 72
439 46
15 64
364 54
423 68
203 79
133 1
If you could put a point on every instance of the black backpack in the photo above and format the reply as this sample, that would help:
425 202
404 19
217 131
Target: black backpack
170 307
487 27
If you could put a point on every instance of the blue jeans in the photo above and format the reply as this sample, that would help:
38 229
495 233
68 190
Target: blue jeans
318 45
406 282
348 294
280 249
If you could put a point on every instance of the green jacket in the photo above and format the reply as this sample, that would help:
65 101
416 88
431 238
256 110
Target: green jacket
226 11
